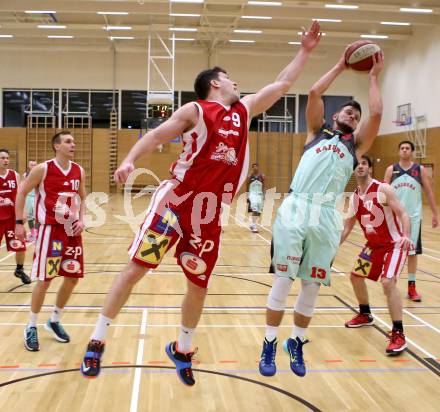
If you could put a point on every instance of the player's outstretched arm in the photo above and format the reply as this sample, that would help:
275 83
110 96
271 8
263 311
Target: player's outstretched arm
267 96
427 186
388 174
315 105
183 119
30 183
369 129
393 202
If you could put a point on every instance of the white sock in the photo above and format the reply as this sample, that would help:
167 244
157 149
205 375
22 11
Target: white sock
56 314
185 338
101 327
32 320
254 220
271 333
298 332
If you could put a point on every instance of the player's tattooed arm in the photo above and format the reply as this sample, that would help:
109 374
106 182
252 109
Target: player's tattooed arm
388 174
369 129
427 186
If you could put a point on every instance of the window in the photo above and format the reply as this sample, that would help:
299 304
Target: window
15 102
101 106
134 108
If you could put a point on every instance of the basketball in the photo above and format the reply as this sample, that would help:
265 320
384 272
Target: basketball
359 55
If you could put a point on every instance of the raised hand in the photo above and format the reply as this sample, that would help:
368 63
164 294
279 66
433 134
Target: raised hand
310 39
123 171
378 60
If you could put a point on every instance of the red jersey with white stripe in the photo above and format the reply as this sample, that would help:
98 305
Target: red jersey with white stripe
378 222
8 194
57 197
215 156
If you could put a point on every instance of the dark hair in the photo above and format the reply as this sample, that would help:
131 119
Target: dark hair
368 159
352 103
56 139
4 150
408 142
202 84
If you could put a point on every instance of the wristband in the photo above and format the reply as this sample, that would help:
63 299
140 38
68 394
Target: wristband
19 222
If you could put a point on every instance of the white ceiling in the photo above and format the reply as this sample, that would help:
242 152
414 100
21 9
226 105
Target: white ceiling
215 26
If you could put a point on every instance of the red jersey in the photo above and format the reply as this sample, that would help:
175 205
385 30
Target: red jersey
8 194
57 196
215 156
378 222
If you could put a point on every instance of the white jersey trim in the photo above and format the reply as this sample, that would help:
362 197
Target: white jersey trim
182 165
41 197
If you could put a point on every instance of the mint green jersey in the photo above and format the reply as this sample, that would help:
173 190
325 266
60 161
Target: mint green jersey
408 187
326 165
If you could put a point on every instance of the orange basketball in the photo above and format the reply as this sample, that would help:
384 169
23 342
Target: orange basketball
359 55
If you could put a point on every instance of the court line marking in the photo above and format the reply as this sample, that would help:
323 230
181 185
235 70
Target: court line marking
421 321
139 360
169 325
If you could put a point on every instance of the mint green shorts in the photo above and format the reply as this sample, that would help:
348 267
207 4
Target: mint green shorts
306 239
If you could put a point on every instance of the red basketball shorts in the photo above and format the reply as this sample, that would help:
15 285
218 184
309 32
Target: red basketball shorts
178 214
57 254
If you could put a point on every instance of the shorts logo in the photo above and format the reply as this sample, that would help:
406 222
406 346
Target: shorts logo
294 259
52 267
15 244
57 248
193 264
71 266
165 224
282 268
153 247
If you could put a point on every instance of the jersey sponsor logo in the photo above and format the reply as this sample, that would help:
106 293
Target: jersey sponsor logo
404 184
227 118
71 266
52 267
192 263
228 132
281 268
225 154
330 147
57 248
153 247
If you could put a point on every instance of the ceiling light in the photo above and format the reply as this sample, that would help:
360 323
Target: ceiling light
114 13
40 11
6 36
117 28
374 36
329 20
182 29
394 23
265 3
242 41
414 10
60 37
341 6
248 31
181 39
121 38
184 15
51 26
295 42
257 17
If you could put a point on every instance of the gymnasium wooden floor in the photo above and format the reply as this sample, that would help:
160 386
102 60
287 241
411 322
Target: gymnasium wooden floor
347 369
